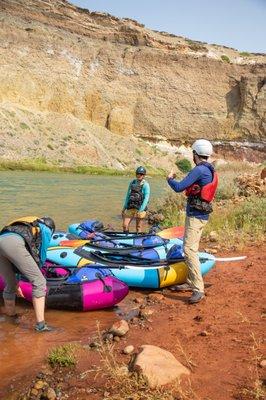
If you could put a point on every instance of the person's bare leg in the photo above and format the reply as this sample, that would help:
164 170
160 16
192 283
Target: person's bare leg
139 225
39 304
126 223
10 307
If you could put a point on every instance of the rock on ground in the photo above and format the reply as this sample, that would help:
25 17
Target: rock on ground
158 366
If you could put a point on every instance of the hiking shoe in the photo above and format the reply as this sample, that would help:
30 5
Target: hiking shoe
196 297
43 327
181 288
13 319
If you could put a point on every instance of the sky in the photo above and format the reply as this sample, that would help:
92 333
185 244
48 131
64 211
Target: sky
240 24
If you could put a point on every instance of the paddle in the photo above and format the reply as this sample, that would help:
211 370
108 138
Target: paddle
154 266
176 232
139 262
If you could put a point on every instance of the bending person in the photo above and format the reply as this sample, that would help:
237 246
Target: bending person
136 201
23 246
200 186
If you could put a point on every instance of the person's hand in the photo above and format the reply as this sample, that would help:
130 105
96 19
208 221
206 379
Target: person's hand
172 175
19 292
122 212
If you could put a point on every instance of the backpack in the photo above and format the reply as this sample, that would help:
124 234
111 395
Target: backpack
136 196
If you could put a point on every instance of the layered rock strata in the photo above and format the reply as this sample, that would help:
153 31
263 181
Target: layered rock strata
56 58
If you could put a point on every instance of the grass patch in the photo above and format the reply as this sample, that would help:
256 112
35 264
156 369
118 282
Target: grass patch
238 224
245 54
256 389
24 126
41 164
35 164
84 169
226 190
62 356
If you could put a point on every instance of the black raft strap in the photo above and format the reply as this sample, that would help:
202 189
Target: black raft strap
106 288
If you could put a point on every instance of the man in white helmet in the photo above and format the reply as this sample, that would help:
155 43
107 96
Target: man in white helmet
200 186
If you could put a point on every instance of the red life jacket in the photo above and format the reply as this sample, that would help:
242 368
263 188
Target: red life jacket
206 192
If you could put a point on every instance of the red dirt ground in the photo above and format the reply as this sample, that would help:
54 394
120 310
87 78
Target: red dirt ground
222 337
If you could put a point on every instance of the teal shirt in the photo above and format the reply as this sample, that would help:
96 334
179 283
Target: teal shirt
145 188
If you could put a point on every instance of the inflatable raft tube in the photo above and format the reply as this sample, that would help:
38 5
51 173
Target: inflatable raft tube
97 289
149 278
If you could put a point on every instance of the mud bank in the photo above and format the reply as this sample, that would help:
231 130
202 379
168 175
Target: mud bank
219 339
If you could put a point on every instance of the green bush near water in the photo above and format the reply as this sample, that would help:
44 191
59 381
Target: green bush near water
184 165
172 207
62 356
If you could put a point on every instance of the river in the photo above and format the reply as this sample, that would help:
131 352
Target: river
68 198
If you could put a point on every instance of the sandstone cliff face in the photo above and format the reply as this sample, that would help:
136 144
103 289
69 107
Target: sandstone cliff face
57 59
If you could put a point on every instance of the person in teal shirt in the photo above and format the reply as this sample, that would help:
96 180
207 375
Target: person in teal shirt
136 201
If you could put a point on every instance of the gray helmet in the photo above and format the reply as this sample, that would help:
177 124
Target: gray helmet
48 221
141 171
203 147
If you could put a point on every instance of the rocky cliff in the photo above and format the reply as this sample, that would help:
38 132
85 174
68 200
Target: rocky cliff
90 81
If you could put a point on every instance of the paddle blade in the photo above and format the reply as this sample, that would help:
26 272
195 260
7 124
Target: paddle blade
175 232
228 259
74 243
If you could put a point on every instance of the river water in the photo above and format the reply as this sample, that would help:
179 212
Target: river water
68 198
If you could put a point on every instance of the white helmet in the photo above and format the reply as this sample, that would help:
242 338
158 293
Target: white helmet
202 147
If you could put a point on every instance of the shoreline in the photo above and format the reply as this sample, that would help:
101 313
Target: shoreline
39 165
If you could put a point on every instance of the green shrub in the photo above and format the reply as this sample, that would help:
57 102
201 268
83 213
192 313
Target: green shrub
196 46
173 209
239 223
244 54
184 165
225 58
24 126
226 191
235 223
62 356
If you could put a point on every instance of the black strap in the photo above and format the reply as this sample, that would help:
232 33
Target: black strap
107 288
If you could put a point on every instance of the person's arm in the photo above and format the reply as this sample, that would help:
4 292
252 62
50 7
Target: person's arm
191 178
146 192
127 197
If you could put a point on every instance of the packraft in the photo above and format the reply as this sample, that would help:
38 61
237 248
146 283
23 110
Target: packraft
83 289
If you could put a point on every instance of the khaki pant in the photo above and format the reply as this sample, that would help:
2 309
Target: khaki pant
134 213
14 252
193 232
